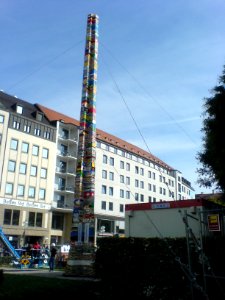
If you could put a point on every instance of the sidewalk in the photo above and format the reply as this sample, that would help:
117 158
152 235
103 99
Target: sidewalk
43 273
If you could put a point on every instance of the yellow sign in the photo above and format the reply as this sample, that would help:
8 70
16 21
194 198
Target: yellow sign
213 222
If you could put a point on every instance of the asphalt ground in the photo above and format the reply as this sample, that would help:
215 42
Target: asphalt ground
44 273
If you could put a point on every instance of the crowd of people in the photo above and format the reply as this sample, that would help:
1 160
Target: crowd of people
54 255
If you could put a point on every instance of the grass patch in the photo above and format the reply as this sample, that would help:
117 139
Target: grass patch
21 286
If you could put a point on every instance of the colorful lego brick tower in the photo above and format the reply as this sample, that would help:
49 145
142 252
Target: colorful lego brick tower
83 223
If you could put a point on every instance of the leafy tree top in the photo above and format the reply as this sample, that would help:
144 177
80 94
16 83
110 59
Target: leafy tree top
212 157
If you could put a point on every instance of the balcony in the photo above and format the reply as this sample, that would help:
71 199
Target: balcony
69 139
65 189
67 154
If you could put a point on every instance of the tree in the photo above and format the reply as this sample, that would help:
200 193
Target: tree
212 157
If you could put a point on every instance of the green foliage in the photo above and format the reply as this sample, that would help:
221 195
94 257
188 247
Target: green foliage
5 260
141 268
154 268
212 157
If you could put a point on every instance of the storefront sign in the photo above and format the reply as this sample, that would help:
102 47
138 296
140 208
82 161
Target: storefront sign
213 222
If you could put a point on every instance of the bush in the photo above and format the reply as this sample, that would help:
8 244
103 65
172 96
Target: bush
151 268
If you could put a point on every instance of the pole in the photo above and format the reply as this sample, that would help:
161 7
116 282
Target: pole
188 250
202 252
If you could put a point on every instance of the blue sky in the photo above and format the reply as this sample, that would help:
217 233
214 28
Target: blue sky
158 58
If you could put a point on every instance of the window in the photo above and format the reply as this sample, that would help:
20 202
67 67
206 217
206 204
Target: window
35 219
141 184
121 164
37 131
11 217
136 170
104 189
149 187
42 194
127 194
141 171
63 149
111 191
26 128
60 201
127 166
1 119
149 199
61 183
25 147
19 109
23 168
142 198
16 125
33 171
43 173
121 208
9 188
47 135
149 174
39 116
104 174
128 180
65 134
104 205
121 193
111 161
14 144
11 166
121 179
45 153
57 221
110 206
35 150
136 183
154 188
105 159
20 190
111 176
31 192
136 196
179 187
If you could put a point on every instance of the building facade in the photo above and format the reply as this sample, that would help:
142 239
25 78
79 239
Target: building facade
38 155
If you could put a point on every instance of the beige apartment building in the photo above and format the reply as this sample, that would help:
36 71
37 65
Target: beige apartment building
38 152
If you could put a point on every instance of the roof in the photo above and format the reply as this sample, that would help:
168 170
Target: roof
101 135
170 204
9 103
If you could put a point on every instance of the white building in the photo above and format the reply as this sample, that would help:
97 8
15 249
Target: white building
38 150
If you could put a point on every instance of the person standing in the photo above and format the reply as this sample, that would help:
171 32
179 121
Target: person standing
53 252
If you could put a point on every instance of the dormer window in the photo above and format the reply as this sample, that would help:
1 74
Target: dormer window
39 116
19 109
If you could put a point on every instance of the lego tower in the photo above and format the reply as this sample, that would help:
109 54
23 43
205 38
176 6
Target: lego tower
83 222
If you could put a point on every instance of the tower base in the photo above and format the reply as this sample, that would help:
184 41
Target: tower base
80 262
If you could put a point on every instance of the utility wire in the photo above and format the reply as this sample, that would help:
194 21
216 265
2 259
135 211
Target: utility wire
131 115
148 94
43 65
